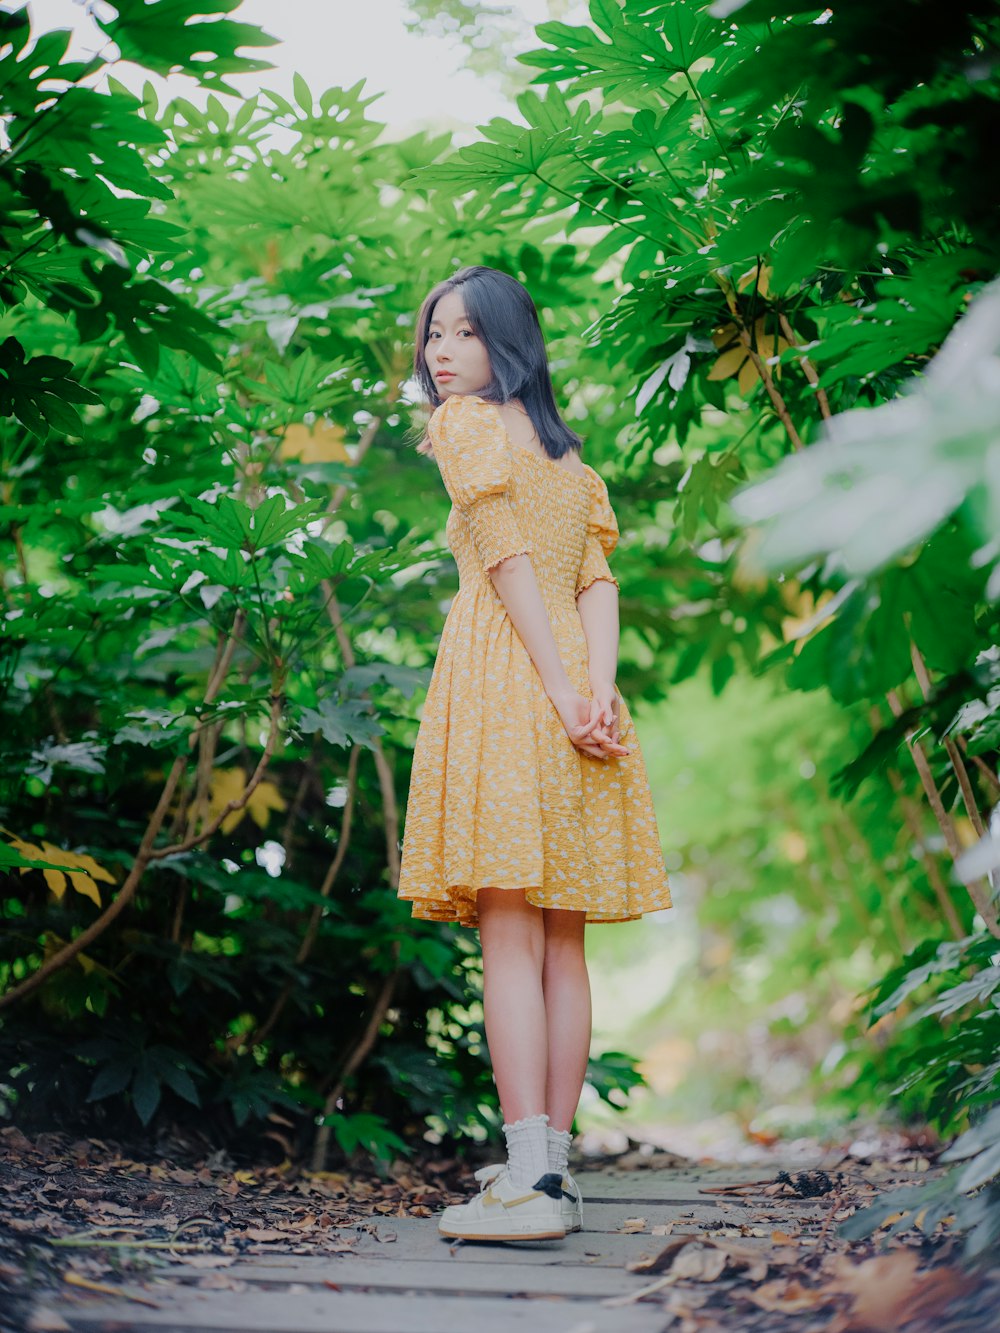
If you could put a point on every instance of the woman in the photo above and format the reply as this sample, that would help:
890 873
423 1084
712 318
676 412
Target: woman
527 814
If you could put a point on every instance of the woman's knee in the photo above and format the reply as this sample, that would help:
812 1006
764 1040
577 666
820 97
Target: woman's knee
564 935
507 918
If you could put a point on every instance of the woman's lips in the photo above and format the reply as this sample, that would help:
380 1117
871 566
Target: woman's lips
445 375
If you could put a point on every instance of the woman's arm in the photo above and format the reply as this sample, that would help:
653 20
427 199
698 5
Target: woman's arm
517 587
598 607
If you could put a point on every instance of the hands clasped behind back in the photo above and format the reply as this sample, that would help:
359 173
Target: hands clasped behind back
591 724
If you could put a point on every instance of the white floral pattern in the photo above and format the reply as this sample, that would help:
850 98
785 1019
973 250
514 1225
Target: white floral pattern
499 795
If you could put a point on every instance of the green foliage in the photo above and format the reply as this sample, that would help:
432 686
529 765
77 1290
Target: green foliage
220 578
968 1195
746 232
40 393
958 1068
163 39
796 214
613 1075
126 1064
370 1133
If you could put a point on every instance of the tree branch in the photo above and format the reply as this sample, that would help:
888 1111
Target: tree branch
978 891
354 1061
147 852
762 368
312 930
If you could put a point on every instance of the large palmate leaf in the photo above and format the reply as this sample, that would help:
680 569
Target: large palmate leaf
884 479
167 34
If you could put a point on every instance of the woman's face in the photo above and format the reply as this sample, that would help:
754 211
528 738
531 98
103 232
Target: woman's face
456 359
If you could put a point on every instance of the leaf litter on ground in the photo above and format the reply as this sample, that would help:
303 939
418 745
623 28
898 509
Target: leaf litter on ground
84 1212
890 1282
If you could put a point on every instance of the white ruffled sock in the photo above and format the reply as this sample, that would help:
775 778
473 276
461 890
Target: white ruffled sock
527 1149
558 1144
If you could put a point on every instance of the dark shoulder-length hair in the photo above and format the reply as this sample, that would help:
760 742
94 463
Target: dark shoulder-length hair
504 318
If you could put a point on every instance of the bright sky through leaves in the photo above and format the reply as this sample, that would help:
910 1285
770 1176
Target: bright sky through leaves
420 76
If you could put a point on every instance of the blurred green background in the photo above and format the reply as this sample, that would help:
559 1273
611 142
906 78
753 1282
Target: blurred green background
763 252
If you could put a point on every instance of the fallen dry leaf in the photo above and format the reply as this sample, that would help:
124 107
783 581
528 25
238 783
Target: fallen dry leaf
221 1282
264 1233
699 1263
113 1209
692 1262
763 1136
632 1224
44 1320
784 1254
733 1189
887 1291
785 1296
662 1261
755 1261
105 1289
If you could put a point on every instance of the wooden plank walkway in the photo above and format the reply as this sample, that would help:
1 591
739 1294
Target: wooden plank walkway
401 1276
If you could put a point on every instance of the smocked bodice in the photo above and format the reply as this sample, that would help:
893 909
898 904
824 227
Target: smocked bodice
550 506
508 500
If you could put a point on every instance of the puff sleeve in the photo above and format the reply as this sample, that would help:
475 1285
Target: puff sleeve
473 454
602 537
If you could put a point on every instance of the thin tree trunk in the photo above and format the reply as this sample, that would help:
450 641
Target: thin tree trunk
147 851
978 891
357 1057
312 930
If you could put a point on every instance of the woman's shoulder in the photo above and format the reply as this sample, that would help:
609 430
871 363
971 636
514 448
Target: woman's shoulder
598 485
460 417
461 407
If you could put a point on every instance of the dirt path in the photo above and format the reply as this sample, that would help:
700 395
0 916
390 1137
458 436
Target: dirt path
691 1247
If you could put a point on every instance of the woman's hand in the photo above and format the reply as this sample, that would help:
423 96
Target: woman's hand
591 724
605 706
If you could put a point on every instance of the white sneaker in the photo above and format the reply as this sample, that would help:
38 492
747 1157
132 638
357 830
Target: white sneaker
505 1211
571 1204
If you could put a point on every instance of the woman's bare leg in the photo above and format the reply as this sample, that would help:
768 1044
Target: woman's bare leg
566 988
512 935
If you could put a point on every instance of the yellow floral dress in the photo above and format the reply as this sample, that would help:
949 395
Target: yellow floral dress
499 795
